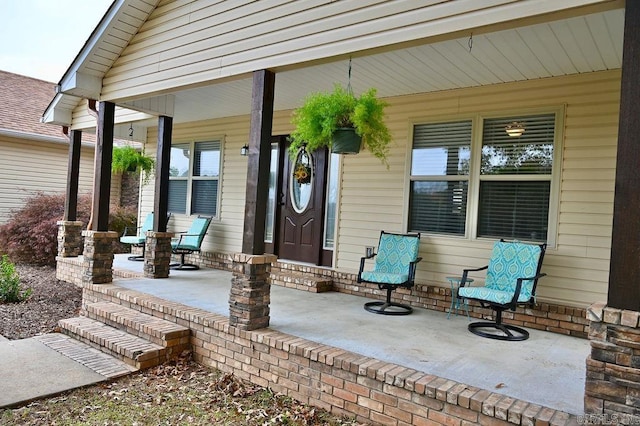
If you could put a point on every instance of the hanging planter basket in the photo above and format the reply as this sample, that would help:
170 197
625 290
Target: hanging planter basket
346 141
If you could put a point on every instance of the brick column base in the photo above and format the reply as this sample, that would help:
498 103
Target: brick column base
612 391
157 254
98 256
69 238
250 291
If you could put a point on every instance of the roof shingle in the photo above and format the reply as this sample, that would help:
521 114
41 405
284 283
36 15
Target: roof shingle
22 102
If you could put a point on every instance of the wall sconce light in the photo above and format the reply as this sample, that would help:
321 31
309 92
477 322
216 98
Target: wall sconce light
514 129
244 151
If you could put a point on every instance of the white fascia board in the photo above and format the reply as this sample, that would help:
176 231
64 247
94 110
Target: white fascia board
56 114
82 85
16 134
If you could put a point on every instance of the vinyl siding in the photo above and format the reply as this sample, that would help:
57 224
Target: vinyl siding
29 167
374 198
225 231
185 43
578 266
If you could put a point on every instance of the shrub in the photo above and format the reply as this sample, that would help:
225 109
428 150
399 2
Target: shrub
10 291
31 234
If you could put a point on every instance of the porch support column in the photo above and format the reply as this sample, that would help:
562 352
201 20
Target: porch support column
98 241
157 255
612 389
69 229
258 162
624 286
97 260
250 289
102 171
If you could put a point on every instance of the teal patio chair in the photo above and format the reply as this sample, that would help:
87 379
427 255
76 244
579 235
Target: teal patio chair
138 240
190 242
511 280
395 266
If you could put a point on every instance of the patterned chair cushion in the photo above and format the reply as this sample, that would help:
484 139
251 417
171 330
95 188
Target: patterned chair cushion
395 254
508 262
384 277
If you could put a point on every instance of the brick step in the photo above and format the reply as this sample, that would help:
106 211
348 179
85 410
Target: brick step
98 361
133 350
301 281
156 330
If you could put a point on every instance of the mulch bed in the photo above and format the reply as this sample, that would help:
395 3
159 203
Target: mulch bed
51 300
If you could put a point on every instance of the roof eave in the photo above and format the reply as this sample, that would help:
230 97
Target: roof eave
81 84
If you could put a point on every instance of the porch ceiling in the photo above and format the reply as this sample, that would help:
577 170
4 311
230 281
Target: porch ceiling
571 46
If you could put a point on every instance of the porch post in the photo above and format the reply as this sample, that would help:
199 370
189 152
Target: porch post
612 389
250 289
157 255
624 286
98 251
258 162
69 229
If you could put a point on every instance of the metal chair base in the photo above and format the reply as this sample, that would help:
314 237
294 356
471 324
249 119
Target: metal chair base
500 331
388 308
184 266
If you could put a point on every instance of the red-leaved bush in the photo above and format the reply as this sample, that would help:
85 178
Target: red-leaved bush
31 235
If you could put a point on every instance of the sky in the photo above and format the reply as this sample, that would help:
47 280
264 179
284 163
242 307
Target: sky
40 38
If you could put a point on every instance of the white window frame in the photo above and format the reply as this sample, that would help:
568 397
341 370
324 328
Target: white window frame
190 178
474 177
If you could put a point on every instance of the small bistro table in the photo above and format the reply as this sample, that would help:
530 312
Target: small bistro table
454 282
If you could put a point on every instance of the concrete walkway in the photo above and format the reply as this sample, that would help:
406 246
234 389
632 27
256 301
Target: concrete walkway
46 365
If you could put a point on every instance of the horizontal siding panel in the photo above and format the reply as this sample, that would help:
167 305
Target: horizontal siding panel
30 167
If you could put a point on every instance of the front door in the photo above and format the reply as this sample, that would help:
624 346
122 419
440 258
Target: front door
302 205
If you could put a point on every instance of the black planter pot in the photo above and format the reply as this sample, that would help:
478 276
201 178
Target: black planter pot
346 141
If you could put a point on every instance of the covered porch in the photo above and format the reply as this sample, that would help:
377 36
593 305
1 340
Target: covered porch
545 373
429 76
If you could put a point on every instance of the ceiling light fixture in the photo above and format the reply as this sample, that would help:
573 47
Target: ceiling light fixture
514 129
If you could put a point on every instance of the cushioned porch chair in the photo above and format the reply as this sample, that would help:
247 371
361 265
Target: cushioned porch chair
395 266
138 240
190 242
512 277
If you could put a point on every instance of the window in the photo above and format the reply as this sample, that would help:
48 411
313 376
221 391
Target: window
440 177
194 173
487 186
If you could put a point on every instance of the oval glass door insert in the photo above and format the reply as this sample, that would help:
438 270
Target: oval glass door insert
301 181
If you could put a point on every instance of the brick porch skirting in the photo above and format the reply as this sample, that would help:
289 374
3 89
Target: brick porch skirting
342 382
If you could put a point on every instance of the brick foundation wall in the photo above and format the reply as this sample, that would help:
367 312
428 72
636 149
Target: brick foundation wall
69 269
342 382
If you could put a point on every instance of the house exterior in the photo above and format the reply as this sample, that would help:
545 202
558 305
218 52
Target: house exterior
34 156
205 79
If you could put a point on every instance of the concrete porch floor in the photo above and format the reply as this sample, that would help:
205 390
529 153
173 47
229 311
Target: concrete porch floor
547 369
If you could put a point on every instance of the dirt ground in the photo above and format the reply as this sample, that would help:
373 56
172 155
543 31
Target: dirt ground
50 301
